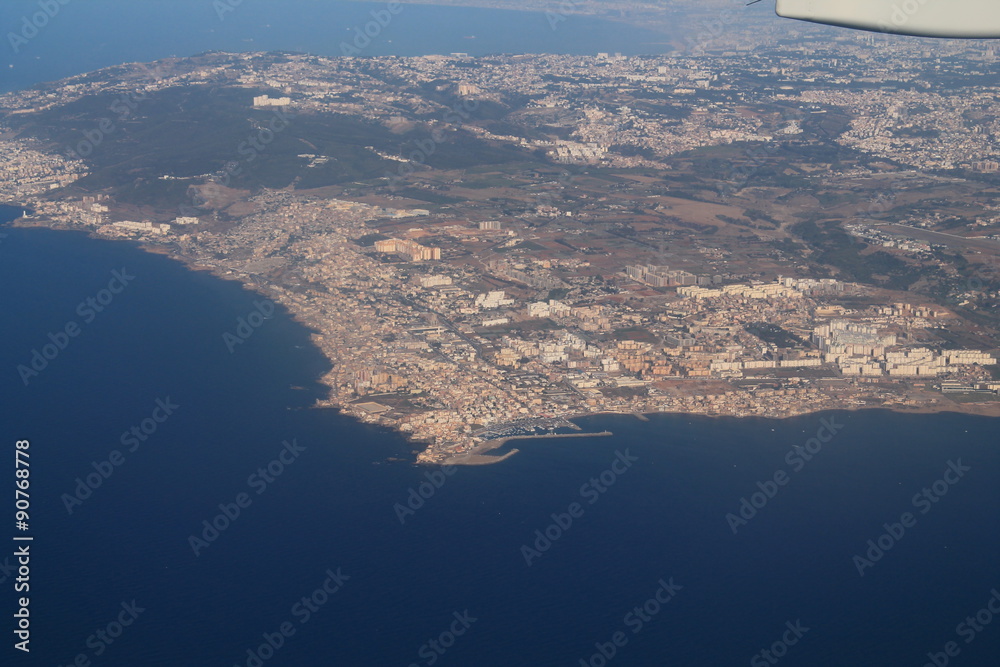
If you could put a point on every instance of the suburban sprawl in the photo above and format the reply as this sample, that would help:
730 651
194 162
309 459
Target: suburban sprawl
486 247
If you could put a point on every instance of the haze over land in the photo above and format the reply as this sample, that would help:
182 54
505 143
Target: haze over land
477 242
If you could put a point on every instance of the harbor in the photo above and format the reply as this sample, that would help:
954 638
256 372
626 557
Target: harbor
479 455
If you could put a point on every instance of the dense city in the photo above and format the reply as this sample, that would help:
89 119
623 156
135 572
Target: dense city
638 234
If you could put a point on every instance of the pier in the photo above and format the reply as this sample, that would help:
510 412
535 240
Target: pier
478 455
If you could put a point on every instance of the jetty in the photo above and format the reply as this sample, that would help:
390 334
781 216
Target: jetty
478 454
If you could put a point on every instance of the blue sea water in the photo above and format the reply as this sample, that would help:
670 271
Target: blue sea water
88 35
335 506
462 552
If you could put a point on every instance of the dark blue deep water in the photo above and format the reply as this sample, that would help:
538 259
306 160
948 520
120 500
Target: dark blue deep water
332 508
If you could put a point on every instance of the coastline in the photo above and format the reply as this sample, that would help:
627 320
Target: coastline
989 409
476 453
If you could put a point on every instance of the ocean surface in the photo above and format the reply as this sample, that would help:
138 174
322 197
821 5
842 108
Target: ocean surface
86 35
447 580
539 561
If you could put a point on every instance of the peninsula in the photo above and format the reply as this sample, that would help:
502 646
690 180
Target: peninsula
489 247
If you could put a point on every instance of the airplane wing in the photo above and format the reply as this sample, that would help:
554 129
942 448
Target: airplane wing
969 19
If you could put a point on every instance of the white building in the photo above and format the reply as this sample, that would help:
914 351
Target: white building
266 101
